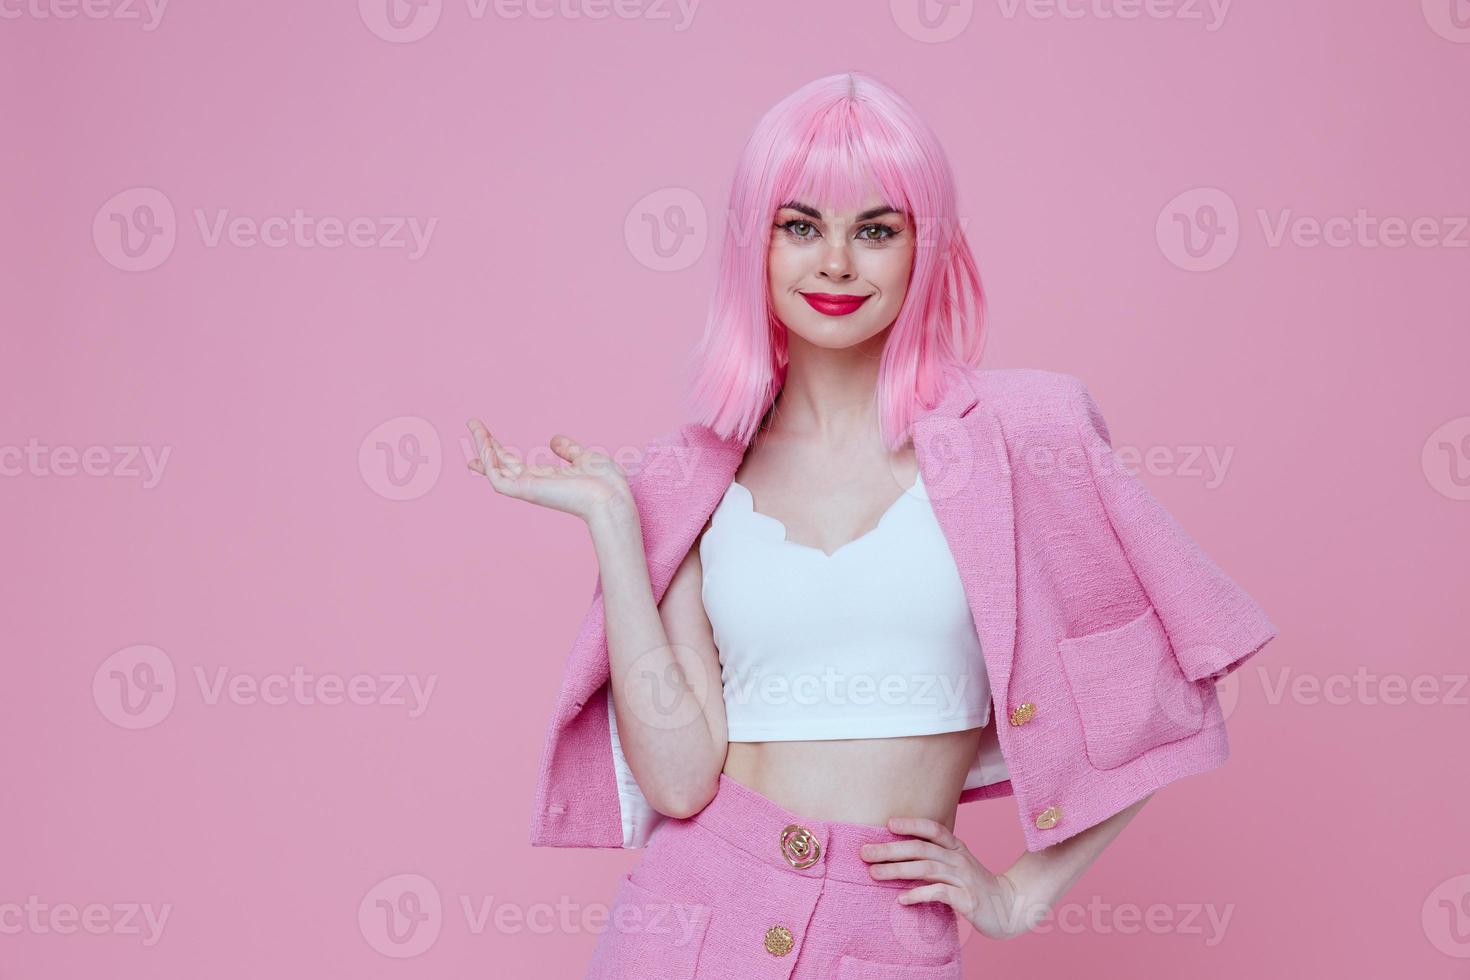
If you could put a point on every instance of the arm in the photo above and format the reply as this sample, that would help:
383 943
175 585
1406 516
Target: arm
1041 878
999 906
663 668
664 674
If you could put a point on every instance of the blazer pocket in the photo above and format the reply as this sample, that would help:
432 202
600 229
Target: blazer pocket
852 968
649 936
1130 692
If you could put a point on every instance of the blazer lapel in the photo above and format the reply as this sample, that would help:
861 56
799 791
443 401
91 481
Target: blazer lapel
961 451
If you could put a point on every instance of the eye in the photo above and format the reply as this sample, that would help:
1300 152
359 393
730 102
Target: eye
886 230
790 227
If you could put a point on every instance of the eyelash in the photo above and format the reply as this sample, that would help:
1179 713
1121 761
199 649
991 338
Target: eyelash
786 226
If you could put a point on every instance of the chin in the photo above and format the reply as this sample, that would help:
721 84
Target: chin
834 333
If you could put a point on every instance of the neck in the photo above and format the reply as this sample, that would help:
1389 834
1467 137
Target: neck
829 396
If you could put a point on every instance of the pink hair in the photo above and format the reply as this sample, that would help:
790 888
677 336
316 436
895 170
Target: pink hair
829 143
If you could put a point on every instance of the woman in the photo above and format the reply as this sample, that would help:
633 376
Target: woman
833 594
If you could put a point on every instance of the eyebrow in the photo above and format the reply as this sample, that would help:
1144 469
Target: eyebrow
812 212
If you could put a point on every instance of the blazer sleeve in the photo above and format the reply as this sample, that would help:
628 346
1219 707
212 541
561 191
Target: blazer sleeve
1213 625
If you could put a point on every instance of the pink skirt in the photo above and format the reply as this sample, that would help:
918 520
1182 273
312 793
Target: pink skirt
746 890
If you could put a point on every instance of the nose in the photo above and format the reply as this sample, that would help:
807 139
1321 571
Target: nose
837 263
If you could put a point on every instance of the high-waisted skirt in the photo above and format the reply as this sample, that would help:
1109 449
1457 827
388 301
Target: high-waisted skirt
747 890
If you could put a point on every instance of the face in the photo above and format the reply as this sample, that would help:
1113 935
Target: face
838 280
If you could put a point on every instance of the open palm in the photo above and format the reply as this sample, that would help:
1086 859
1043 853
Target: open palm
588 483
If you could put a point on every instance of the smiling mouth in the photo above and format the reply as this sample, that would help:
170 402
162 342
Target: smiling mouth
833 304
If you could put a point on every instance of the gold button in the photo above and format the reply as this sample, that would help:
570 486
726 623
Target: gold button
779 940
800 846
1047 819
1023 713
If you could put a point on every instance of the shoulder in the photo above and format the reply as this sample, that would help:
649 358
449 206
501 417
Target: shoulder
1034 403
673 455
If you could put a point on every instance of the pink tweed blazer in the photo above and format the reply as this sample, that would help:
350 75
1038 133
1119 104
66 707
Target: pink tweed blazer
1102 623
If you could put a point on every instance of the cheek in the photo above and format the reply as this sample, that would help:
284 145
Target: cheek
786 272
785 265
890 272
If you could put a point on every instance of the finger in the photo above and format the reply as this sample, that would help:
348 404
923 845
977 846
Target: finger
924 827
503 454
497 478
926 870
495 462
509 461
481 435
566 447
940 892
900 849
484 442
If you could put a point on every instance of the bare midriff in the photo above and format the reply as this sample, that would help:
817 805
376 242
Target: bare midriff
860 780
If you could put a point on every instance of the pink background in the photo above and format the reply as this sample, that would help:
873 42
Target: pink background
280 380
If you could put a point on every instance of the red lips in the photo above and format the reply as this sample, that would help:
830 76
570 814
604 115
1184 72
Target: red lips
833 304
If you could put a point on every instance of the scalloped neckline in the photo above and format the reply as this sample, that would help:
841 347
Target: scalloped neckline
785 539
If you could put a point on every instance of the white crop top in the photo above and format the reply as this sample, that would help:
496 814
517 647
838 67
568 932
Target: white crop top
872 641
